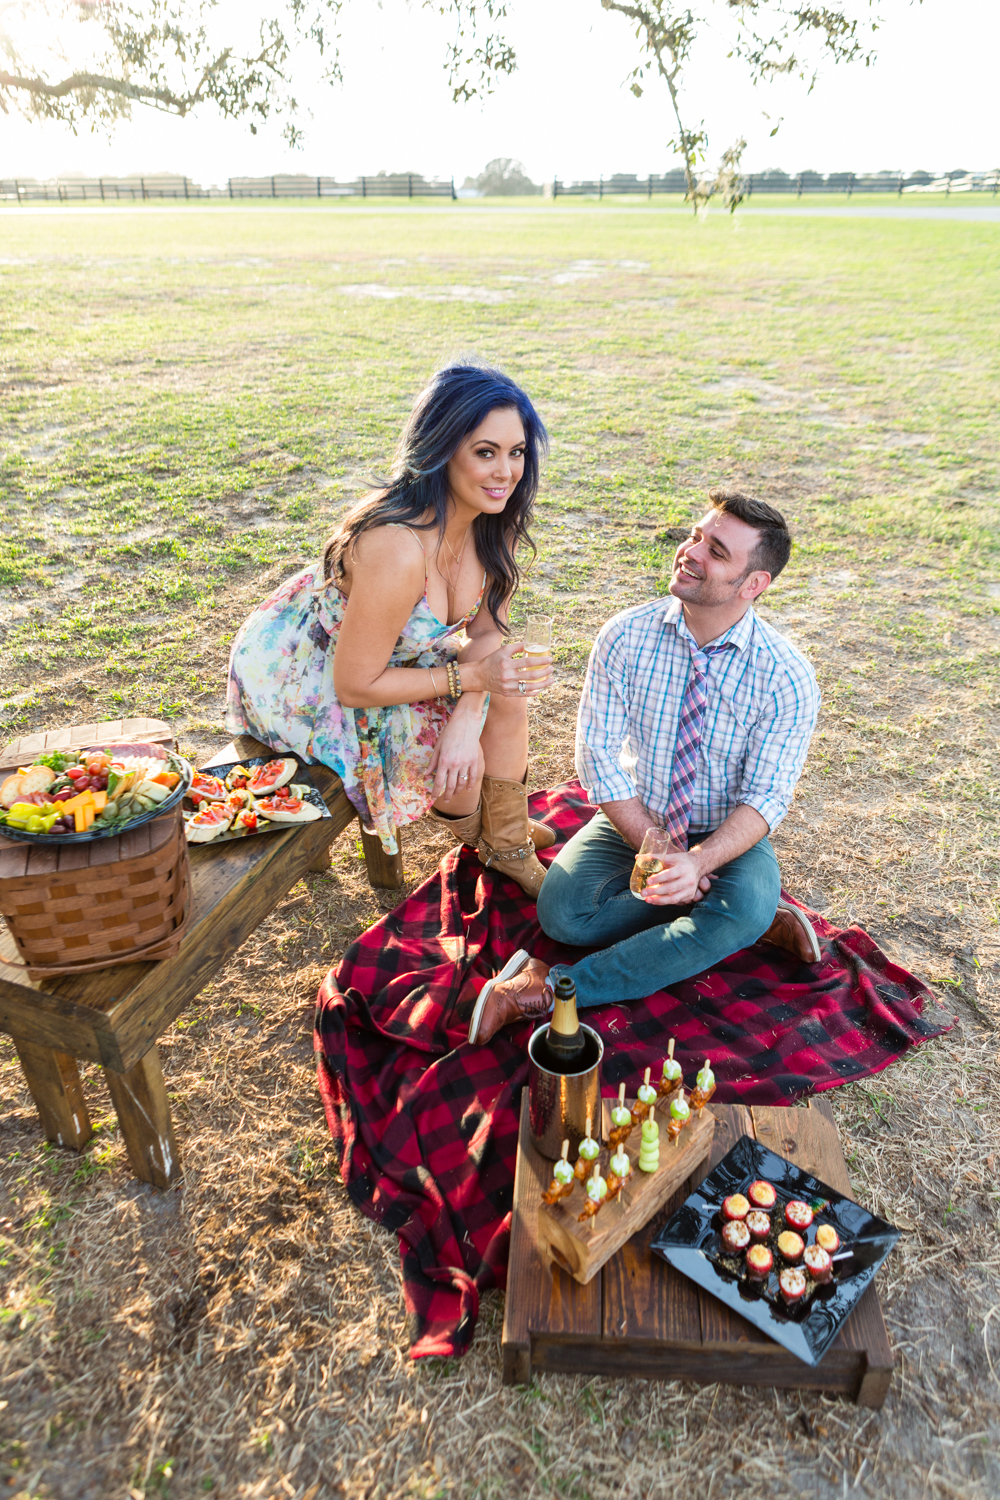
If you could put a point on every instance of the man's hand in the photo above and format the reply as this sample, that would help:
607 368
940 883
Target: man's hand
680 884
692 872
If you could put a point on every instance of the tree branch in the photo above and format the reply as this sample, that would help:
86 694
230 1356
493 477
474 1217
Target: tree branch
178 103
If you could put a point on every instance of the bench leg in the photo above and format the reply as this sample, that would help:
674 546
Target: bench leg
140 1100
322 861
385 871
54 1084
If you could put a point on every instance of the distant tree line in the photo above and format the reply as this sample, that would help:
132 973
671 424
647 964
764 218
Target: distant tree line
91 61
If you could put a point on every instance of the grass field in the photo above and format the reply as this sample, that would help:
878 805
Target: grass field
190 399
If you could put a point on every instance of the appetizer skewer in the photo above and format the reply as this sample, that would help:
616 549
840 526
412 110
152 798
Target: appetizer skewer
622 1123
672 1074
597 1191
704 1088
620 1168
645 1099
680 1113
589 1152
562 1178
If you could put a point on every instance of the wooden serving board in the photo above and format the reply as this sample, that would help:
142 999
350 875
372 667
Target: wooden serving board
582 1249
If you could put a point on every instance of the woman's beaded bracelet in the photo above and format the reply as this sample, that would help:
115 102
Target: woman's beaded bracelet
454 681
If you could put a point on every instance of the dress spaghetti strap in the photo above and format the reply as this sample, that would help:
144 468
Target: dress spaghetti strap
402 526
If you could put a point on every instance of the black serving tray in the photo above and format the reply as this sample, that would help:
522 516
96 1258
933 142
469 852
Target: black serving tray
690 1241
264 825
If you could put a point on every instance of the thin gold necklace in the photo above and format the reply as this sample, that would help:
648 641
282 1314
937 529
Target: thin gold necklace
459 558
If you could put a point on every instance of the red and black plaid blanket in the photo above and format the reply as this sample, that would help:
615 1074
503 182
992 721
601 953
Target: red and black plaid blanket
426 1126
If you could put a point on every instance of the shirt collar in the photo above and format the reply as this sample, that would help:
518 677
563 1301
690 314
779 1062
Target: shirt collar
737 636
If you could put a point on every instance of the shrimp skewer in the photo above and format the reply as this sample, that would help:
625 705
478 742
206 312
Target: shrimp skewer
563 1178
645 1099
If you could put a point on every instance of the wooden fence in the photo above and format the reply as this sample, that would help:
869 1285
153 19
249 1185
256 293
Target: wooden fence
413 185
281 185
847 183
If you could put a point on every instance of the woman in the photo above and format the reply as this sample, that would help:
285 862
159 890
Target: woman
386 662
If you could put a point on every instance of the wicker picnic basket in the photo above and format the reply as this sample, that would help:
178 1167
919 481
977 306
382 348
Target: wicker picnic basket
116 900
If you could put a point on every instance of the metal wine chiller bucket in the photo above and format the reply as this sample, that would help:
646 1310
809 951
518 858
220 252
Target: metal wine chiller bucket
559 1103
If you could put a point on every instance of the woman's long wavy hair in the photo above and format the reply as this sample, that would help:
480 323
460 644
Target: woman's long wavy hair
457 399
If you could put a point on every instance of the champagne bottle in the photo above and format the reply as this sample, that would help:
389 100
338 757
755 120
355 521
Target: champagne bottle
564 1043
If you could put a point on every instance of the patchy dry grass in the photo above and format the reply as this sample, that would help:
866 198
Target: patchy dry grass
189 400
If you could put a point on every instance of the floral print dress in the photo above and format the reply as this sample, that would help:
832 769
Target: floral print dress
281 691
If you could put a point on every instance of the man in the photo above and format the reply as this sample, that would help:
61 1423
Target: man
695 717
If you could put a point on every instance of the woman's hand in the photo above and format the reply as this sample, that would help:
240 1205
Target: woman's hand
524 676
456 763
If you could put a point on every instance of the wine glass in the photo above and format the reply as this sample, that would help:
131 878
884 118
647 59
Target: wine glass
537 639
651 859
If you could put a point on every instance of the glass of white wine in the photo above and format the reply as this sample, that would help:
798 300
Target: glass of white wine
537 639
651 859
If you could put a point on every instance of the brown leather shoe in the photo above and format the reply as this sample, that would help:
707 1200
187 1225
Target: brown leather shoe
793 931
517 993
541 834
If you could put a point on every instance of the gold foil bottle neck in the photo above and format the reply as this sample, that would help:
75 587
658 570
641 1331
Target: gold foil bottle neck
564 1020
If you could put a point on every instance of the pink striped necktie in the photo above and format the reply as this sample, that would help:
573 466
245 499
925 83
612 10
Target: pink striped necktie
688 746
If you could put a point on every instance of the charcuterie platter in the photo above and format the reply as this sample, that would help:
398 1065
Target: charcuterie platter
99 791
237 800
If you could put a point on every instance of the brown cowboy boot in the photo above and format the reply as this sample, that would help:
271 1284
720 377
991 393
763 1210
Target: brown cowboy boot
505 844
793 931
465 830
468 829
518 993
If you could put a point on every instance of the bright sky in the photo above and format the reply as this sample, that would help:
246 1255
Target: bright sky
928 102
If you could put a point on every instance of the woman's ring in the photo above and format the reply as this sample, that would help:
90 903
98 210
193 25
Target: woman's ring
521 687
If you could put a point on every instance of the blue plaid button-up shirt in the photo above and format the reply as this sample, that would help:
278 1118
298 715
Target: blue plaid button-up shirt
762 706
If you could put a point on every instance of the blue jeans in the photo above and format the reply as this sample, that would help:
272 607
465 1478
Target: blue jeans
586 901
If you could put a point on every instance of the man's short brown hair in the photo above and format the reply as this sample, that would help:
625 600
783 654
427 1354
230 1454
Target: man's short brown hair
775 543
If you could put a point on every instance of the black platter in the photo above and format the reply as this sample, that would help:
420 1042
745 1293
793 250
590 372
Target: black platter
690 1241
301 778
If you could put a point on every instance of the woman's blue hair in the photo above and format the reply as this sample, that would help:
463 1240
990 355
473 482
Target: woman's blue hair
456 401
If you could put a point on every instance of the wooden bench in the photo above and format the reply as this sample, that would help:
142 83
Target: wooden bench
641 1317
114 1016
